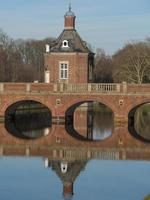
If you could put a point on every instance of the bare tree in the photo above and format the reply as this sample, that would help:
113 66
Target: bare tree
132 63
103 67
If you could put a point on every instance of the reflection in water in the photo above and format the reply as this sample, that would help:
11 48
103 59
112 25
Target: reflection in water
67 171
103 125
29 120
147 197
93 121
26 178
142 121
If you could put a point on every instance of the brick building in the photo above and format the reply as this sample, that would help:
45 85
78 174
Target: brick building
68 59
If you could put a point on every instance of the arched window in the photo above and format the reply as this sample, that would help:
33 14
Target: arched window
65 44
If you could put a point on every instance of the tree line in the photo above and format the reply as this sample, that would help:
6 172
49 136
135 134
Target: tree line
23 61
130 64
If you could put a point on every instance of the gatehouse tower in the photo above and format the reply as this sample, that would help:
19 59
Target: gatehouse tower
69 59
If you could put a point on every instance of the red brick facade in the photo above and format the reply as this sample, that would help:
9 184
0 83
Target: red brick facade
77 66
71 49
69 22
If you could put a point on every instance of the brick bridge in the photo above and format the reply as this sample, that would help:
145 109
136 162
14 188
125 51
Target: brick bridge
120 98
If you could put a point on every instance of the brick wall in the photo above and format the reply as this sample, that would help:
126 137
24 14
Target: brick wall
78 66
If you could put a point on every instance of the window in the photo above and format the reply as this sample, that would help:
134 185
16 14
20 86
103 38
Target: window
65 44
63 70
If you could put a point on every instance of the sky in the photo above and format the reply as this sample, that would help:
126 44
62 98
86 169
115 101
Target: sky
105 24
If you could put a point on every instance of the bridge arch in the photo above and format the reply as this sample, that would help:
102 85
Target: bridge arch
88 120
42 101
28 119
134 105
132 121
78 101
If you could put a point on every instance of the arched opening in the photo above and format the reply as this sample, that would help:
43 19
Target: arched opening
89 120
139 122
28 119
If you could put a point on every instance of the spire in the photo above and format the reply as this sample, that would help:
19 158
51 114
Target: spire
70 6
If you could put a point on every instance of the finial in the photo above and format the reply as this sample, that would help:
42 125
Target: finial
69 5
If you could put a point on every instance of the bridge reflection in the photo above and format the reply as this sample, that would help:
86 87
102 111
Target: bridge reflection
28 119
58 135
120 144
69 159
139 122
90 121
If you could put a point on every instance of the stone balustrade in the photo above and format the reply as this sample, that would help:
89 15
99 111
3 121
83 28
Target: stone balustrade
73 88
59 87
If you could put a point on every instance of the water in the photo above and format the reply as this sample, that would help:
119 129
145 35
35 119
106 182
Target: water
91 159
142 121
93 121
28 179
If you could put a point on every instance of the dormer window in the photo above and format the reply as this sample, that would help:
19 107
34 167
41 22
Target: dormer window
65 44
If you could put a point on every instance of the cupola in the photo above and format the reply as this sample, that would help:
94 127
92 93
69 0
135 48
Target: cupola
70 19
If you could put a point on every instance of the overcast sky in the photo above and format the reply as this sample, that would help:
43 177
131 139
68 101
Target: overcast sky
106 24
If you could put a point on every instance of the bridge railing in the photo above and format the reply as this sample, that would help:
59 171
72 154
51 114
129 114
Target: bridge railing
105 87
142 88
26 87
74 88
59 87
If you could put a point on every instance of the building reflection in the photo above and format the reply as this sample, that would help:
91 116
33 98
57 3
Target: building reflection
91 121
69 163
69 147
67 171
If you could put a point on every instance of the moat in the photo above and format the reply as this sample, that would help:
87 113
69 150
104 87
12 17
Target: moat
41 160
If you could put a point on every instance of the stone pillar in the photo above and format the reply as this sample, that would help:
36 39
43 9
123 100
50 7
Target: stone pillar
1 87
28 87
124 87
54 153
1 151
117 155
47 76
89 87
61 87
55 87
88 154
118 87
124 155
46 163
27 151
61 153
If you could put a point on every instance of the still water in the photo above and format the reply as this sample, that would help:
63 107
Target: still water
110 175
28 179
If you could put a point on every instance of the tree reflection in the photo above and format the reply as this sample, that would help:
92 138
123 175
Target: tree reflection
147 197
28 120
91 121
142 121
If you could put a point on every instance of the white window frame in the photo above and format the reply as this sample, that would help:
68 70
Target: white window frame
63 70
65 44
